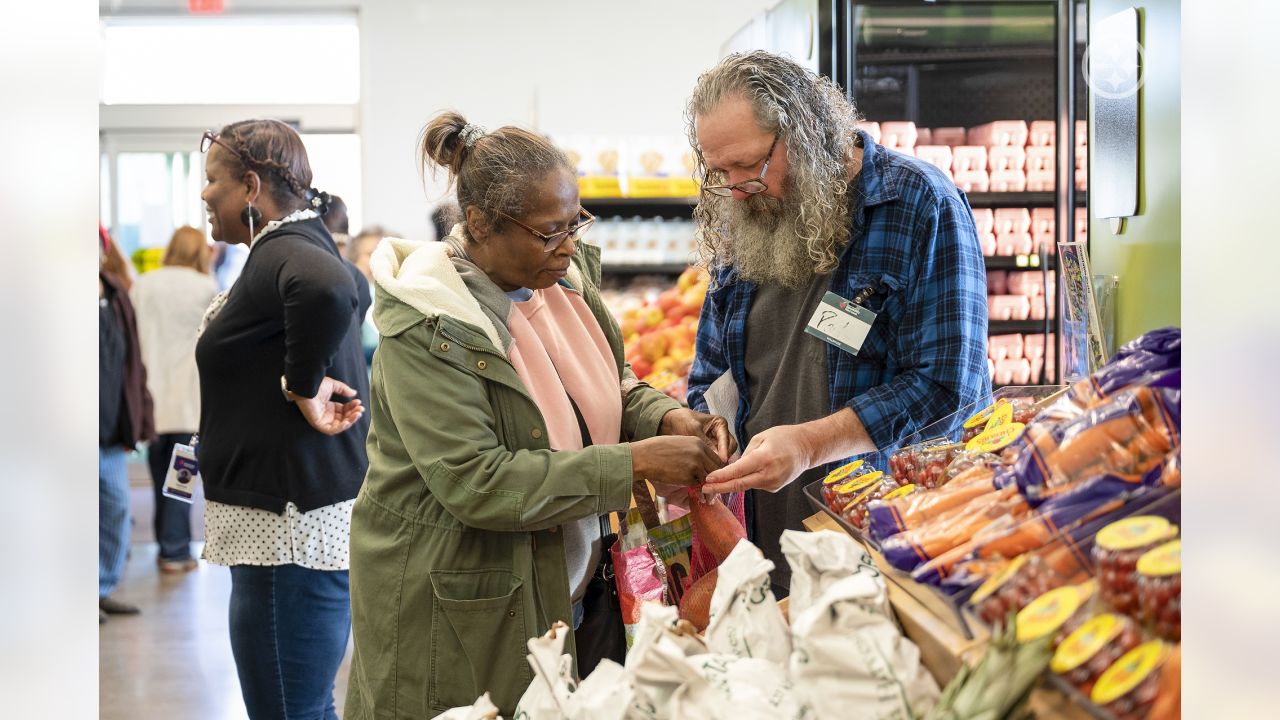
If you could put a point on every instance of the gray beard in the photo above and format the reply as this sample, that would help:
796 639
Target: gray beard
764 246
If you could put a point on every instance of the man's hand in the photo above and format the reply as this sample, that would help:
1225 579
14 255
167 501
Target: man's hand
772 459
326 415
713 428
778 455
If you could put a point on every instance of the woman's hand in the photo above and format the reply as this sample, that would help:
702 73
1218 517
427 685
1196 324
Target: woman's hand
326 415
673 459
712 428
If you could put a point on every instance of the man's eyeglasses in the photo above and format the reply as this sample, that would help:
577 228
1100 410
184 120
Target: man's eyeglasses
555 240
753 186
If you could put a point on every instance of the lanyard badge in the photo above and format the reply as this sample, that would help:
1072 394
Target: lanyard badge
184 472
843 323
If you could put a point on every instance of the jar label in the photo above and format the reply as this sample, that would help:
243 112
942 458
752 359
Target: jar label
1002 415
859 482
1128 672
1163 560
1085 642
1048 612
993 583
1135 532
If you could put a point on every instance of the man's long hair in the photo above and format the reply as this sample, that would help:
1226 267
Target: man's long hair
815 122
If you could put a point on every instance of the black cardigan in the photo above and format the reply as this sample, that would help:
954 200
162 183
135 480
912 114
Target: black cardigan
292 312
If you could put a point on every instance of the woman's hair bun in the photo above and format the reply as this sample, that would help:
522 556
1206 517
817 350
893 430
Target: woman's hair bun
443 144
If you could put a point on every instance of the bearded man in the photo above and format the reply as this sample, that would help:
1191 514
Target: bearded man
812 231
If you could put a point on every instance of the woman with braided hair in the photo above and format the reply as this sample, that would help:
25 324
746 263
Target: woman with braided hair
282 427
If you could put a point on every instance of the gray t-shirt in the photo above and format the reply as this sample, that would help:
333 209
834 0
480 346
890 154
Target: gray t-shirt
786 384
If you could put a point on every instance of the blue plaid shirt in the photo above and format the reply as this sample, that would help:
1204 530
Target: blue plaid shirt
913 239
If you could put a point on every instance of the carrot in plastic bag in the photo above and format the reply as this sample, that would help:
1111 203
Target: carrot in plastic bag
1168 702
891 517
909 549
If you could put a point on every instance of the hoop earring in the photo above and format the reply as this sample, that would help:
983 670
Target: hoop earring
250 215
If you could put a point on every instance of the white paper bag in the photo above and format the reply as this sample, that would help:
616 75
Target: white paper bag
726 687
848 658
746 621
548 694
606 694
482 709
657 662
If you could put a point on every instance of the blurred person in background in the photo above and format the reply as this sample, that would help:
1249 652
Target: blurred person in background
169 302
124 420
361 248
282 425
505 423
335 219
444 217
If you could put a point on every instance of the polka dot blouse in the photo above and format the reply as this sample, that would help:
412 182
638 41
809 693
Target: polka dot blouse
319 540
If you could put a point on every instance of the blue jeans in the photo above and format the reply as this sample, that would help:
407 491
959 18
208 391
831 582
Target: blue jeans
289 628
172 519
113 517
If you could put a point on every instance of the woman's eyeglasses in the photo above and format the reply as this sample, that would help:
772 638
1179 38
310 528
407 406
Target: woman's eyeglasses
555 240
210 138
753 186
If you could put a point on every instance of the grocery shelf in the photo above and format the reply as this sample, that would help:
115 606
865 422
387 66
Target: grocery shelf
1010 327
647 207
1019 199
948 55
644 268
1019 262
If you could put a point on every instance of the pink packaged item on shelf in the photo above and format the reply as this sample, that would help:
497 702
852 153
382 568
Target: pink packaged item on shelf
898 134
997 282
1012 220
1082 134
1014 243
1000 132
1038 308
1008 307
968 157
1012 372
973 181
938 156
1008 181
949 136
988 242
991 368
1007 157
1041 133
1040 180
910 151
1029 283
1033 346
1082 179
1082 159
1045 240
1040 158
1042 220
984 219
872 128
1002 347
924 136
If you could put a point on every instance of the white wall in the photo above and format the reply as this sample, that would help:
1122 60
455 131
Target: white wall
570 66
558 66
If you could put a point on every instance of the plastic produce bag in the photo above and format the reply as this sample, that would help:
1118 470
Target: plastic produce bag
746 621
482 709
848 659
548 695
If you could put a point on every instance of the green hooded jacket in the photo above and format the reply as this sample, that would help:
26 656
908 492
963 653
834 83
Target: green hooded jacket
456 554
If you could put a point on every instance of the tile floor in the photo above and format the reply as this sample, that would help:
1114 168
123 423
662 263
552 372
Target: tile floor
174 660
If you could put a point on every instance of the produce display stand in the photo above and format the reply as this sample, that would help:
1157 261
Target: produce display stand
944 647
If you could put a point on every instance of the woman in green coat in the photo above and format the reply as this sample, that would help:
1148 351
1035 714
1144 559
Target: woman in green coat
505 422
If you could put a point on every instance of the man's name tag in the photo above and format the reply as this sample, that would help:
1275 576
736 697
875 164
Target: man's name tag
841 323
184 473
